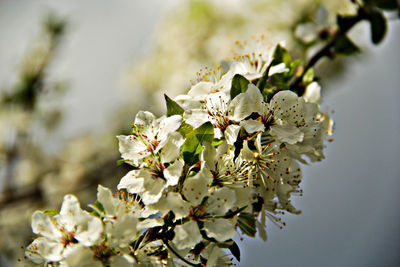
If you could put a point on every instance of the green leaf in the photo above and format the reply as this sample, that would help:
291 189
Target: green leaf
268 93
217 142
239 85
293 67
121 161
98 206
384 4
345 22
235 250
344 46
232 246
281 55
262 82
95 213
247 223
231 214
192 146
51 212
173 108
185 129
378 25
169 219
308 76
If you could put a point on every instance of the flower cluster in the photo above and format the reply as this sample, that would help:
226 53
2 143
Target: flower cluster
225 157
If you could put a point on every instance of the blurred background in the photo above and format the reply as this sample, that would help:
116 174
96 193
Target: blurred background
73 74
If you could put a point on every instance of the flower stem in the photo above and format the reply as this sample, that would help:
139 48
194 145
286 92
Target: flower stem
180 257
327 50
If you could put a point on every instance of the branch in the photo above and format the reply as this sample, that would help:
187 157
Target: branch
180 257
327 50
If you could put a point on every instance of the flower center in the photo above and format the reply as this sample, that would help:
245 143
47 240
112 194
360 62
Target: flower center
68 238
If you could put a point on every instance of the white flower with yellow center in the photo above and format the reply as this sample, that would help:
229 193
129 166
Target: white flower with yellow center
149 136
150 182
228 115
71 227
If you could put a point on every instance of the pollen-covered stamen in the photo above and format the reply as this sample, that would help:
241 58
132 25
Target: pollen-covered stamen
273 217
103 253
131 200
157 170
218 111
209 75
254 54
138 133
263 168
68 238
229 174
197 212
268 118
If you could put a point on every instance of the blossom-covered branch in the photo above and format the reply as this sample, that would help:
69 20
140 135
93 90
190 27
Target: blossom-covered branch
225 158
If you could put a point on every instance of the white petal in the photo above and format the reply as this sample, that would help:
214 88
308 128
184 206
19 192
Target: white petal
220 229
313 93
70 213
277 69
283 194
173 172
195 188
89 233
246 103
200 89
153 190
221 200
246 152
209 155
195 117
287 133
42 225
173 201
48 249
123 230
144 118
132 149
104 196
167 126
307 32
231 133
80 257
131 182
171 149
252 126
187 235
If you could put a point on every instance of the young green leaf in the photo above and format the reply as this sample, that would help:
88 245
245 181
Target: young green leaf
184 129
193 144
384 4
378 25
51 212
235 250
262 82
308 76
98 206
173 108
121 161
247 223
217 142
281 55
239 85
344 46
345 22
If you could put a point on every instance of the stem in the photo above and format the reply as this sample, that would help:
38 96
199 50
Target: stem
180 257
327 50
